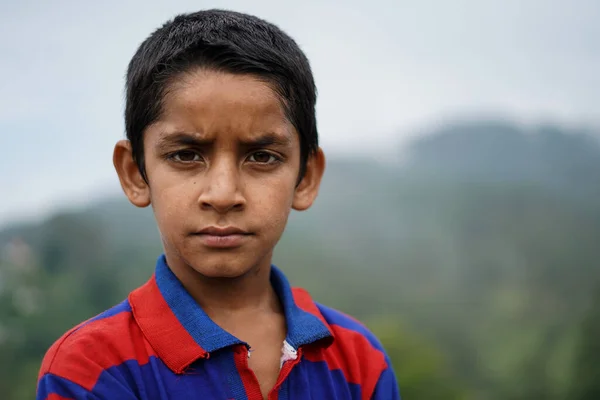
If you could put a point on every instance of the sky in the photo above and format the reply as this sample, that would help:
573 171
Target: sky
384 70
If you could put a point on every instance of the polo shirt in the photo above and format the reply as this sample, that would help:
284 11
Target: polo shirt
160 344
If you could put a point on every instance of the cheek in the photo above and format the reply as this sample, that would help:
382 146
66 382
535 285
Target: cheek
172 200
271 203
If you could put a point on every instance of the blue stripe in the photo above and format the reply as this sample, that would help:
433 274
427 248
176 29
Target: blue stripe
226 361
387 386
284 391
155 381
314 380
52 384
303 327
195 321
122 307
334 317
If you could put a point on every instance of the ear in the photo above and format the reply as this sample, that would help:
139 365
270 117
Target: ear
306 192
135 187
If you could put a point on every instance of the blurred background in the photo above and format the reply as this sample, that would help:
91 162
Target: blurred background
459 216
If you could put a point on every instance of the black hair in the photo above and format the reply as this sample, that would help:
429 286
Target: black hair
223 41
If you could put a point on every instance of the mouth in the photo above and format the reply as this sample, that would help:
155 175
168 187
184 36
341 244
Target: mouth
222 231
222 237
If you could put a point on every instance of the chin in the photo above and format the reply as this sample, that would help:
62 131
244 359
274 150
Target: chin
220 272
215 264
219 267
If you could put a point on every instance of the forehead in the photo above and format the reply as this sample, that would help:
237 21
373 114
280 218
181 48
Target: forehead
212 102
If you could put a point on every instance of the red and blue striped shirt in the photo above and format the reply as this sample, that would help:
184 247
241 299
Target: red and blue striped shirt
159 344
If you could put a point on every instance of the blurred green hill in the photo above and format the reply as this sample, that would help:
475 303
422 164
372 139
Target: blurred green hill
474 258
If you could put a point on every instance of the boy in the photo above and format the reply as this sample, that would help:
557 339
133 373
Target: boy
222 142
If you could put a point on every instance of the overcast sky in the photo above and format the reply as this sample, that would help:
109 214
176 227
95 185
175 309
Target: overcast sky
383 69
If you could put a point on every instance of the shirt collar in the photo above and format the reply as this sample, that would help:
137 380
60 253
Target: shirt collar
181 332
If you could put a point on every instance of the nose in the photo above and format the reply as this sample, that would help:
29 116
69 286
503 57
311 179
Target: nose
222 188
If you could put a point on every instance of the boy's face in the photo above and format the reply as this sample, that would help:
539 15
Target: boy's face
222 165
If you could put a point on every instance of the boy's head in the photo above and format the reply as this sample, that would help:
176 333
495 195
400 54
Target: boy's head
222 41
222 138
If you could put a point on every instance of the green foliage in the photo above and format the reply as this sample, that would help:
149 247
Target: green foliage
422 370
585 383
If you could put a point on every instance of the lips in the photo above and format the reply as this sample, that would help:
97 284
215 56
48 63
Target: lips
222 237
222 231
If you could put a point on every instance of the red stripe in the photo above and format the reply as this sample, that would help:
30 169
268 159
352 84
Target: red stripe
249 380
97 346
53 350
173 344
352 353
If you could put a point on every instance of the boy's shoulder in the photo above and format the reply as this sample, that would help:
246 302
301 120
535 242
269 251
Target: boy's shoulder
346 329
355 350
82 354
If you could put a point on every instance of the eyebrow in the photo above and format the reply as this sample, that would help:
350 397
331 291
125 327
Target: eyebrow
267 139
181 138
189 139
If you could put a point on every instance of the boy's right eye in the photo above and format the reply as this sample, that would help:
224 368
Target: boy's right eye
186 156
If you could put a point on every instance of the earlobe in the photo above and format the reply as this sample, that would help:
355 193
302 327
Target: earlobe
306 192
135 187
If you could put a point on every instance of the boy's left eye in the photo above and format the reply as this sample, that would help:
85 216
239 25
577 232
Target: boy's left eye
262 157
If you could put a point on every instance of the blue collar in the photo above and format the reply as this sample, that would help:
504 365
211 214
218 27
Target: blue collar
303 327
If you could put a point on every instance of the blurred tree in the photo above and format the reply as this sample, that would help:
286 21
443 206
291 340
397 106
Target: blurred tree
585 383
422 370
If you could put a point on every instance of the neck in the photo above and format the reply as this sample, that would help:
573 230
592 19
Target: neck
221 298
